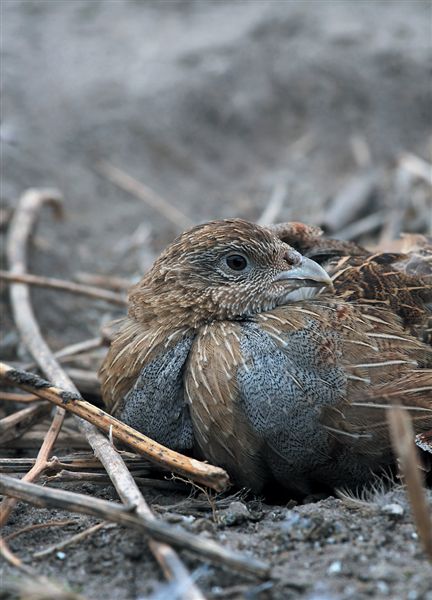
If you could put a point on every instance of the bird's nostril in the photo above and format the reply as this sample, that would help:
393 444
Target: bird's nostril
293 257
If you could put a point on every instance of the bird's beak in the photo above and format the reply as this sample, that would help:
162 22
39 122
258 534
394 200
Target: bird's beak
307 273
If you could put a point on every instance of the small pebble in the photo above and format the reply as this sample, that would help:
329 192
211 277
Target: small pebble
335 568
61 555
395 510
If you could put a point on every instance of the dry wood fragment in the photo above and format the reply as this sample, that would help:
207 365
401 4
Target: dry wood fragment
45 497
203 473
402 435
64 286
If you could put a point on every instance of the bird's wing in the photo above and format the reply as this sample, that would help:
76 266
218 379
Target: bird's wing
298 388
142 383
400 280
222 432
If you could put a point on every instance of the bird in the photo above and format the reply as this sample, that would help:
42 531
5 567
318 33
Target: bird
240 348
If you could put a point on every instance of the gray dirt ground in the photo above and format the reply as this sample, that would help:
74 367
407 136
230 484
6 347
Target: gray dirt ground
212 104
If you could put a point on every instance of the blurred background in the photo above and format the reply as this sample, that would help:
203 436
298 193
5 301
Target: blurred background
152 115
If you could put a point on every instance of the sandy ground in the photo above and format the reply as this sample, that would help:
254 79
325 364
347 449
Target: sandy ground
213 105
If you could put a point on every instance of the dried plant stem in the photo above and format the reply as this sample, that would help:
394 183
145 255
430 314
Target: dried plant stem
72 350
21 227
19 232
15 425
118 284
12 397
139 190
64 286
208 475
46 497
402 435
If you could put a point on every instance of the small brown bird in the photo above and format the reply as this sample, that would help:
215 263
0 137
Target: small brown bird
221 356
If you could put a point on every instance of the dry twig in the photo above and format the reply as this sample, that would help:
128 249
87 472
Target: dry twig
15 425
402 435
64 286
213 477
45 497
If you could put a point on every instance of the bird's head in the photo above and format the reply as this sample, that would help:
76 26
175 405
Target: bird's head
229 269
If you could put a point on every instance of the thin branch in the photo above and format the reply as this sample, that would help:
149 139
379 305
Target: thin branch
15 425
13 397
45 497
131 185
208 475
20 230
64 286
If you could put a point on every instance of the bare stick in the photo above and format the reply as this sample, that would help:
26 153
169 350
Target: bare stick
402 435
64 286
15 425
21 227
73 462
118 284
131 185
12 397
45 497
103 478
71 350
208 475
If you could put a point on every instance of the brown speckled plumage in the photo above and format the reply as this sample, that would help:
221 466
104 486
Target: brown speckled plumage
235 366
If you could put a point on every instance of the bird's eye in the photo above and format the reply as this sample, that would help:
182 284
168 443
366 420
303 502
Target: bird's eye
236 262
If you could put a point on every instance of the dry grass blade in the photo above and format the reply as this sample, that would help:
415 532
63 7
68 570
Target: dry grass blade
64 286
402 435
110 511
